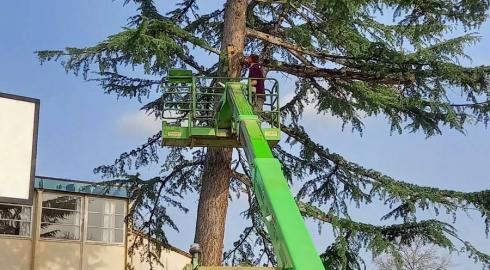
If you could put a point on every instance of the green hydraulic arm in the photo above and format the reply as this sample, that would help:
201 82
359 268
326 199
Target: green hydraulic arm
292 243
235 124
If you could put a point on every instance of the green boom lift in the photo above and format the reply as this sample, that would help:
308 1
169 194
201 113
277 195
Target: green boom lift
218 112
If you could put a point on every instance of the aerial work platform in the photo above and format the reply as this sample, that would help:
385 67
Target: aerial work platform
220 112
196 110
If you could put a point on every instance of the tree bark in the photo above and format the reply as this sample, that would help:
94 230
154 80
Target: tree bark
213 200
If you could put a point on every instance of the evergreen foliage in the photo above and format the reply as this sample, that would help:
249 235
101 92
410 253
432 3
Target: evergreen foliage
348 62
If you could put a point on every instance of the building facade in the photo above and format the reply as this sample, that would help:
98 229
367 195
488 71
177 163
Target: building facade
72 225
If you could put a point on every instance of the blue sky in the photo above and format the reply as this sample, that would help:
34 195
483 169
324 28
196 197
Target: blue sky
81 128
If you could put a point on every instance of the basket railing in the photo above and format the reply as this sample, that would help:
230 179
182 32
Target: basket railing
194 102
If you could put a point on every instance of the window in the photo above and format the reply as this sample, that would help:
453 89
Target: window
15 220
60 217
105 220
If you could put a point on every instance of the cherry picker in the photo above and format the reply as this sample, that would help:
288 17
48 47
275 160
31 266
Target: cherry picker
219 112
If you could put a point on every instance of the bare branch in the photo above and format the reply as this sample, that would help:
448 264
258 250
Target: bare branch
285 44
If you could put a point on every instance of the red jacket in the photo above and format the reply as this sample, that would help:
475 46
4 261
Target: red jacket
255 71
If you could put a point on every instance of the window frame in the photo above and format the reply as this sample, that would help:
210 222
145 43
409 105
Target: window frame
80 217
29 200
112 229
30 222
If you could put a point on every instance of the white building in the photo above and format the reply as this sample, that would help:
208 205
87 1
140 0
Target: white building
71 226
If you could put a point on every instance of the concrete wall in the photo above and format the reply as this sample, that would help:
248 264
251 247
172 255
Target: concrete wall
172 260
57 255
15 253
103 257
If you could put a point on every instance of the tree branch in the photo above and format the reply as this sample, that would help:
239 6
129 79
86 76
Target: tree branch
346 74
287 45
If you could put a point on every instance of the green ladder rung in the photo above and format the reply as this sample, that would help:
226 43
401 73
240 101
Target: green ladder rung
236 268
179 76
189 267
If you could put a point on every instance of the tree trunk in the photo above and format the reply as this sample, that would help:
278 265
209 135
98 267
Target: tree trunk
213 200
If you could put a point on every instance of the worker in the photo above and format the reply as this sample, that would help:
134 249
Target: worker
256 74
